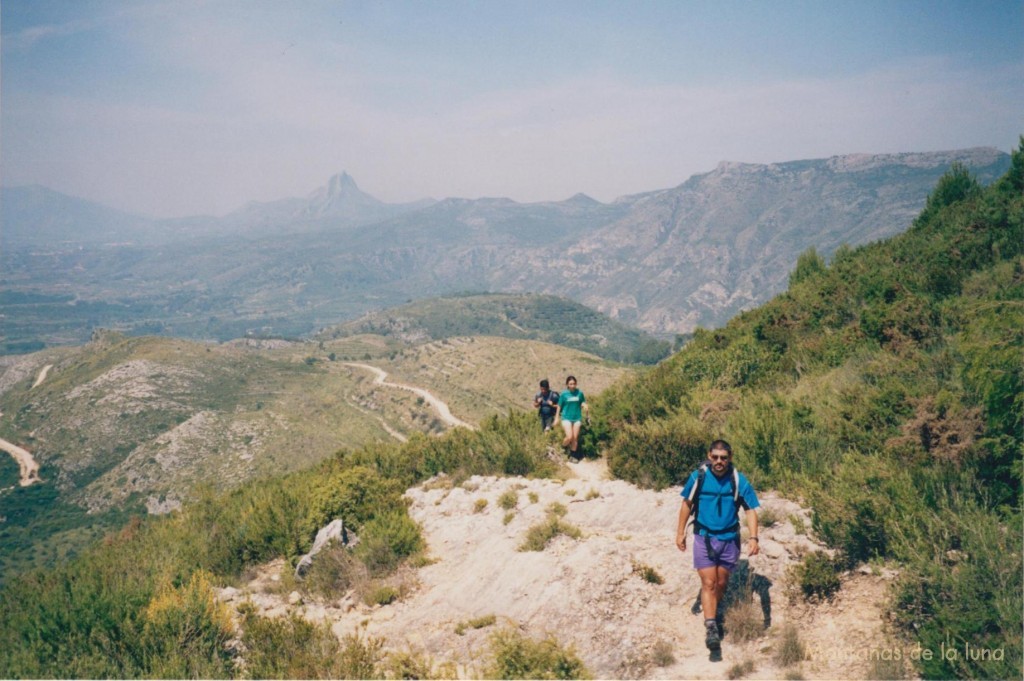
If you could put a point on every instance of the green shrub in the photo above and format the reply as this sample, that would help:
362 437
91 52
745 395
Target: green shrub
416 665
354 494
184 631
386 540
509 500
647 573
518 657
383 595
538 536
658 453
479 505
557 510
476 623
963 585
817 576
293 648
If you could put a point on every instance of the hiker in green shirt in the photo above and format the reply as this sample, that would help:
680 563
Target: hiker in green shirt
572 406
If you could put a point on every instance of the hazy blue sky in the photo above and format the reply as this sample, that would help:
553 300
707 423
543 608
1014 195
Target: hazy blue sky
181 107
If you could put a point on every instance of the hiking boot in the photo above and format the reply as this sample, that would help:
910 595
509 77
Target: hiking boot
713 640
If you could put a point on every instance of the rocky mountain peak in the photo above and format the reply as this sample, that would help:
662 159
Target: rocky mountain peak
340 195
341 183
582 199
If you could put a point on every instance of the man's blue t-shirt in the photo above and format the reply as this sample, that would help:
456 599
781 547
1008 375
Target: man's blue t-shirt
716 510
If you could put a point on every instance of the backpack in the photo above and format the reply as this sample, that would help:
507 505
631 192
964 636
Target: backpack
545 407
694 498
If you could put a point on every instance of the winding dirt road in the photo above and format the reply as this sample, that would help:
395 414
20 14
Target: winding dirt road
27 464
42 375
439 406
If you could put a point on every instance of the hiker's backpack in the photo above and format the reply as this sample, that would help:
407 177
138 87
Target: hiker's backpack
546 408
694 498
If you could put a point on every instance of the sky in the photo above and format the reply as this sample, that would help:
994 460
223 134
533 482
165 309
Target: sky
170 108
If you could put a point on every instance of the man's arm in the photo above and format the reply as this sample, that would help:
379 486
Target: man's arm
684 516
753 543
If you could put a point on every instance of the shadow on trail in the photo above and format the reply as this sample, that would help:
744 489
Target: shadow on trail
743 584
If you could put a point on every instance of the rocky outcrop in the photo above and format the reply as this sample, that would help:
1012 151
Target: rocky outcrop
335 531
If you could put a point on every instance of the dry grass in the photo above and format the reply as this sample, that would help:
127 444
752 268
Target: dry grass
740 669
745 621
485 375
789 649
663 654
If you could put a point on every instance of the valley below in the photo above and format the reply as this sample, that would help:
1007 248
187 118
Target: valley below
136 425
665 261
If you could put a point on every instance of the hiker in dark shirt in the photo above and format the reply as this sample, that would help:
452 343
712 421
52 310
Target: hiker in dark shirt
718 491
546 404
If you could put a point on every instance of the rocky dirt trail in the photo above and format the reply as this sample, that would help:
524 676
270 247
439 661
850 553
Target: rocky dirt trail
590 592
26 463
441 407
29 469
42 375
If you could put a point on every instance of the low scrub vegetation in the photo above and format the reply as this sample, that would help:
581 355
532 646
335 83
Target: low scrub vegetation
476 623
816 576
789 648
647 573
539 536
106 589
885 387
519 657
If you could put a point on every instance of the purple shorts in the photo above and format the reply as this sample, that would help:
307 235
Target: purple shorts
727 552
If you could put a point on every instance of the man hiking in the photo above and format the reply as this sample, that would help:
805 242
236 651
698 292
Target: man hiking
546 404
714 494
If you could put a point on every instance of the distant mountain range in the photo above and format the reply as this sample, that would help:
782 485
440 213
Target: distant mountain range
665 261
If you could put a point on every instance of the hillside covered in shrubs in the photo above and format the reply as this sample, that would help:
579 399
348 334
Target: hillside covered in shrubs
884 388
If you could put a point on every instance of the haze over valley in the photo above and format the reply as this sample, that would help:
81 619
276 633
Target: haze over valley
665 261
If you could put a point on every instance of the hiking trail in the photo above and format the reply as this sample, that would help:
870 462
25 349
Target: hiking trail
441 407
42 375
590 593
26 462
